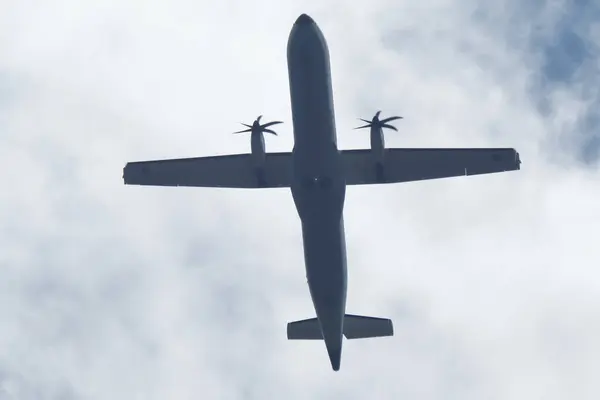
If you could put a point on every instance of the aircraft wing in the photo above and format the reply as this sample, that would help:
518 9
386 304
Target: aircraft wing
229 171
405 165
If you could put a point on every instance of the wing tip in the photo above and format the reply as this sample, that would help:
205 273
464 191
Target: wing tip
126 169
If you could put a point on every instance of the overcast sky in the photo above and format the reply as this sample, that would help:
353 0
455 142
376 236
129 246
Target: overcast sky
122 292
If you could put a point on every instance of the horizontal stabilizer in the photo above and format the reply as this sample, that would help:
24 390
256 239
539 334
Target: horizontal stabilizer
355 327
308 329
359 327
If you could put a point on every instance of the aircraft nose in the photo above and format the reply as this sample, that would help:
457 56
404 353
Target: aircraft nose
304 20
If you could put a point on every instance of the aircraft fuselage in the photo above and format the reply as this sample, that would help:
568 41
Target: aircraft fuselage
319 186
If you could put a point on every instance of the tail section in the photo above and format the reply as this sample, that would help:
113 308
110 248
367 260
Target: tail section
359 327
355 327
307 329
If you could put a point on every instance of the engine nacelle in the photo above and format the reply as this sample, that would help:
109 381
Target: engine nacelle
378 152
377 144
257 144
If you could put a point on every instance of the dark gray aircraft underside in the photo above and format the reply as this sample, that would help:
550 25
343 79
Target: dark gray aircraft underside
317 174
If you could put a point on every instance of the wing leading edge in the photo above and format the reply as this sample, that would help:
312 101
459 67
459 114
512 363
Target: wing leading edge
229 171
405 165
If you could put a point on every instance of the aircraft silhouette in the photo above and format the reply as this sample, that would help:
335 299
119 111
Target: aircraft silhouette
317 172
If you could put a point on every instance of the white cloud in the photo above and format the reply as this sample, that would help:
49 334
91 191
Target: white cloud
124 292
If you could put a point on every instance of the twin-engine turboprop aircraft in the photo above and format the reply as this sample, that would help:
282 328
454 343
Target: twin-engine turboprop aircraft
317 173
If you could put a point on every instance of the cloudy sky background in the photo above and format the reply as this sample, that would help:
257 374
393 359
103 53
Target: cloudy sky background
115 292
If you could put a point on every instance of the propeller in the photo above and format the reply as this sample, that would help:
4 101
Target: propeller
380 123
256 127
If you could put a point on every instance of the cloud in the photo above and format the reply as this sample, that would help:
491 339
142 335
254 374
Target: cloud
118 292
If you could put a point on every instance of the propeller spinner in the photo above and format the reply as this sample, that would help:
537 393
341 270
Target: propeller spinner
379 123
256 127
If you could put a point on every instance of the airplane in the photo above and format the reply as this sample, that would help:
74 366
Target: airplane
317 173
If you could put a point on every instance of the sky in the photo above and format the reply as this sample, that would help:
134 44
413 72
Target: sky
110 291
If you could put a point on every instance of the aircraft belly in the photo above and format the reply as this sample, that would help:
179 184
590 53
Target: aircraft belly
325 261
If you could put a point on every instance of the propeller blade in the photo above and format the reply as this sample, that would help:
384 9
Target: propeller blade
386 120
256 127
271 123
389 127
376 122
244 131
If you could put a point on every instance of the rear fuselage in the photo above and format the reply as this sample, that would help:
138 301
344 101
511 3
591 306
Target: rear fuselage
319 186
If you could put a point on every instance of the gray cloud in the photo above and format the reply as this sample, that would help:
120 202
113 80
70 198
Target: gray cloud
125 292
